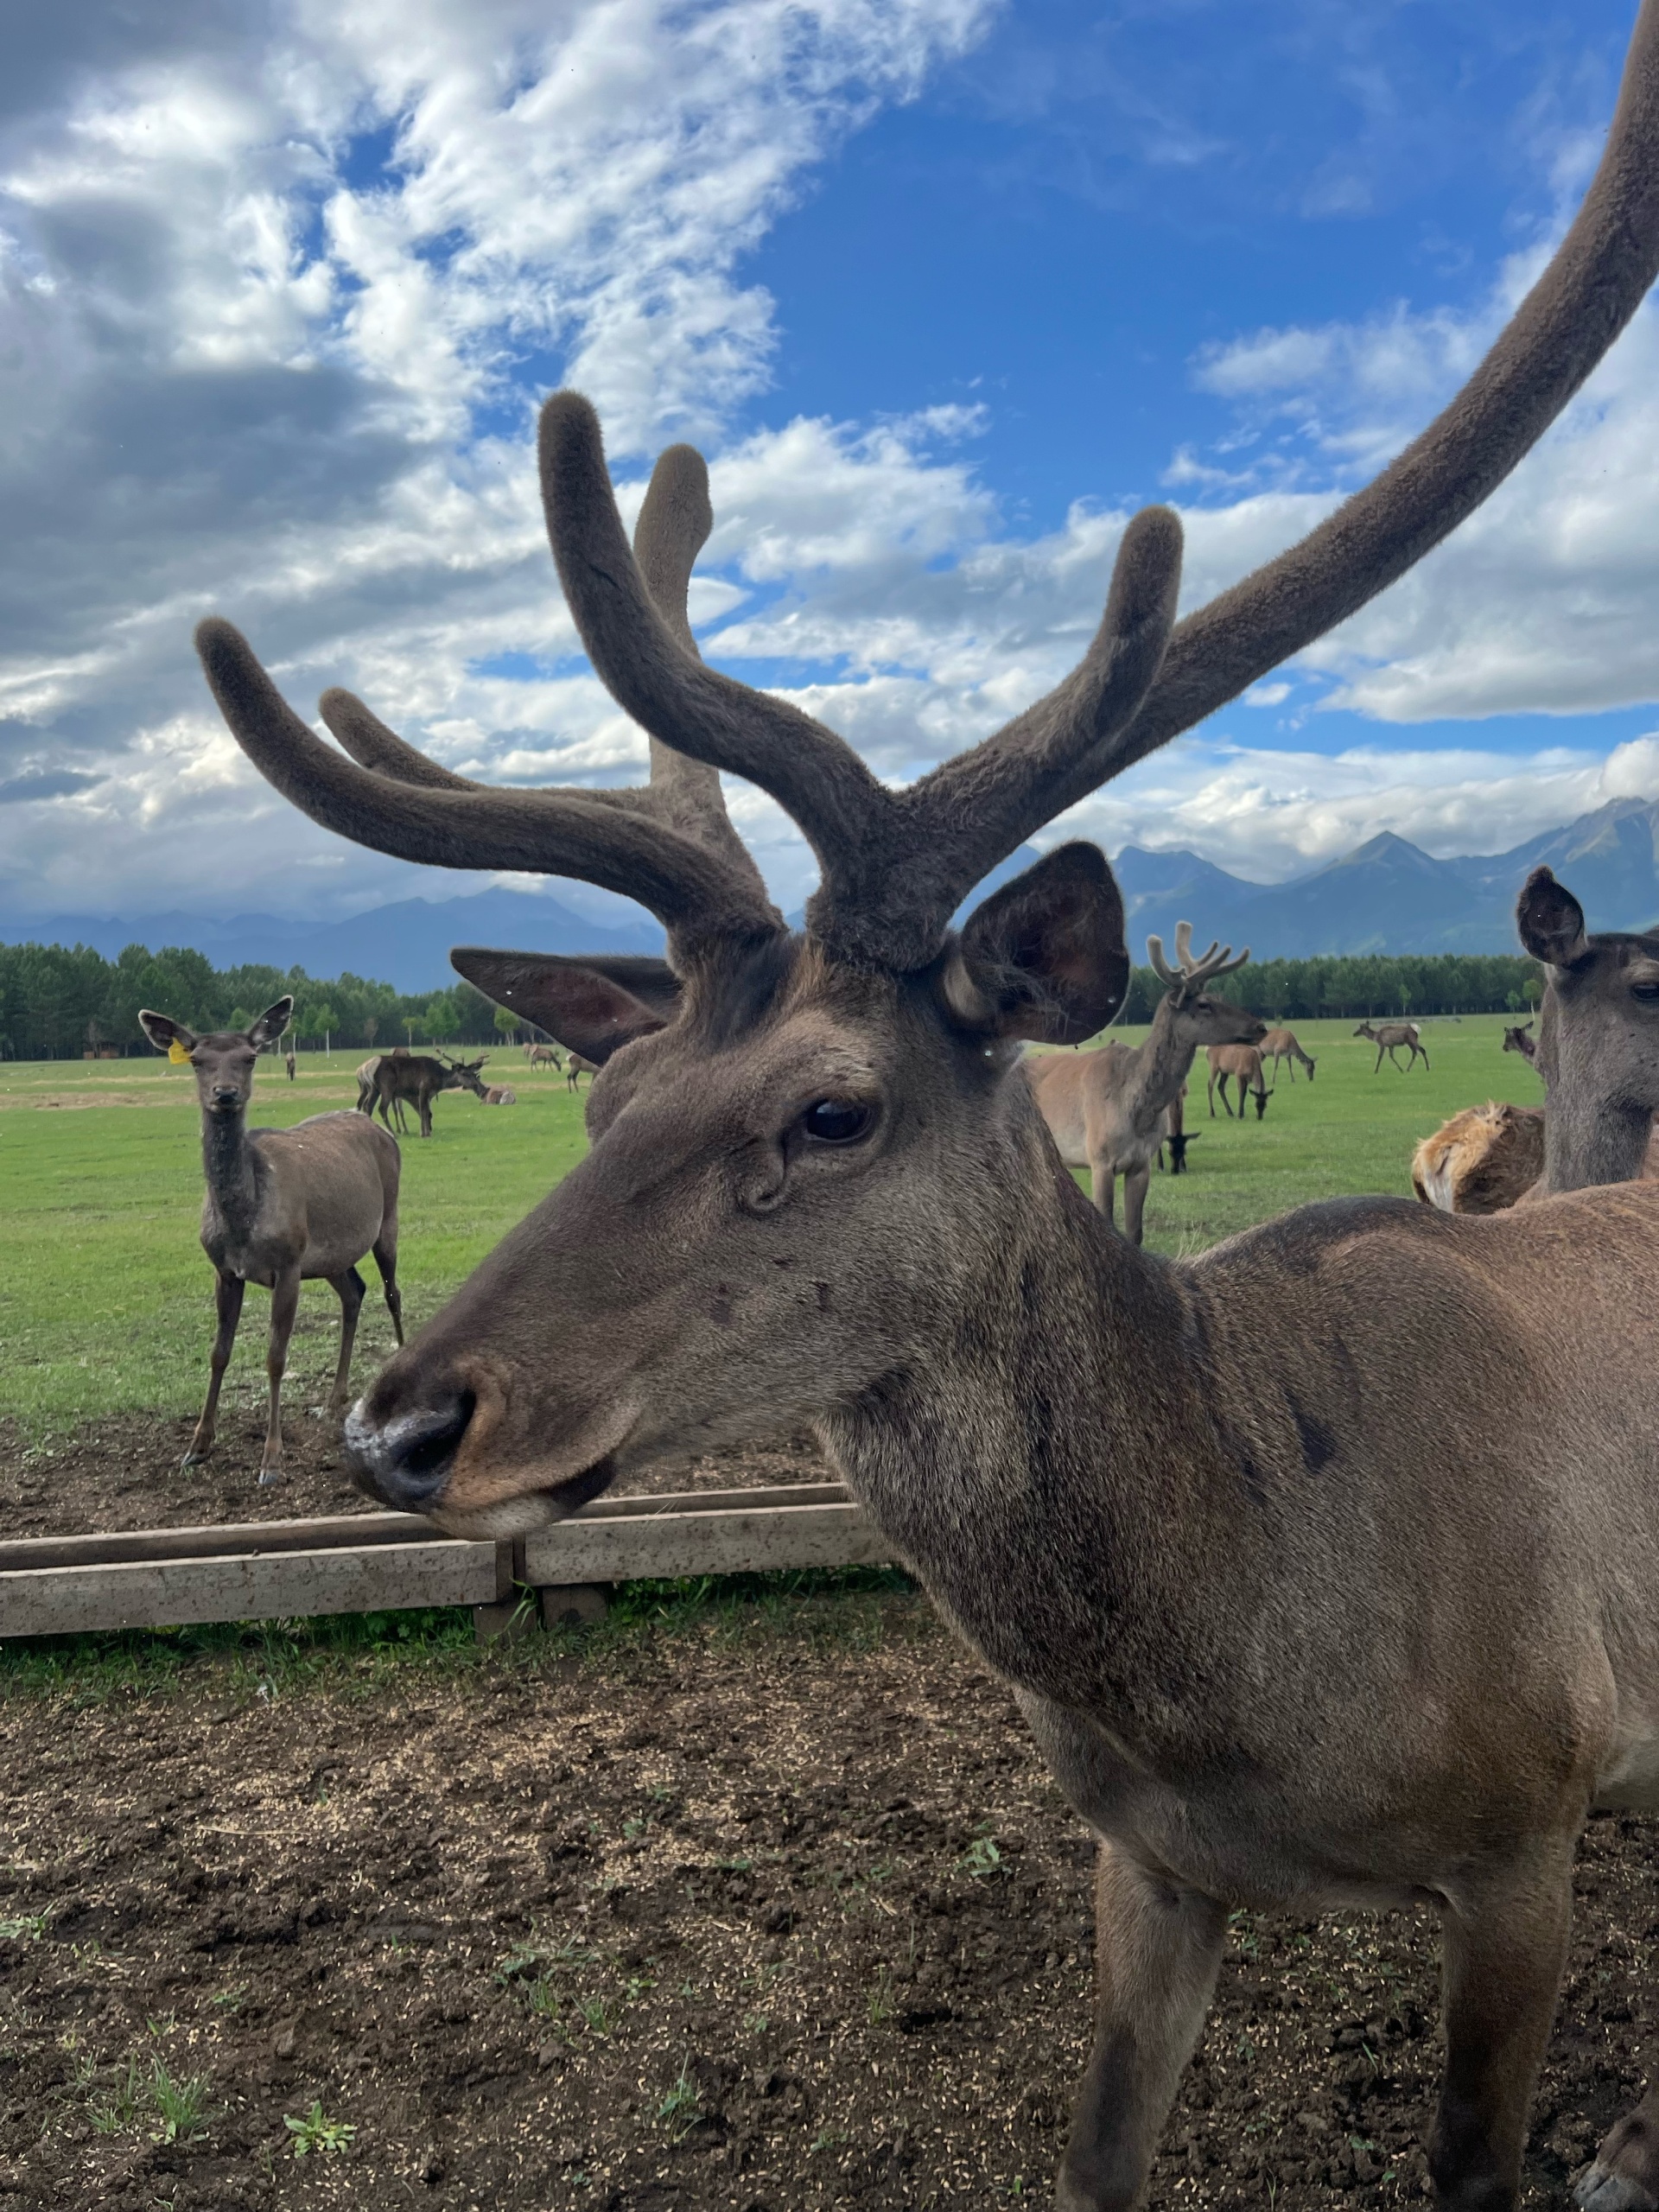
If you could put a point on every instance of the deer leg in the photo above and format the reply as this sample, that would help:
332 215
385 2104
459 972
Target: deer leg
1157 1949
1422 1051
423 1108
285 1305
1624 2176
228 1303
1100 1179
1503 1953
1134 1200
350 1289
386 1258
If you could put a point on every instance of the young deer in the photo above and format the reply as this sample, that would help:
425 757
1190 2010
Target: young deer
1281 1044
1389 1036
1521 1039
1108 1110
1306 1603
1243 1064
283 1207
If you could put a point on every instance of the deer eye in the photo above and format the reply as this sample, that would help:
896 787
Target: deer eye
838 1121
1645 990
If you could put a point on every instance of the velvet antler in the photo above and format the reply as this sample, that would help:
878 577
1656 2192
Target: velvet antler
669 843
1190 973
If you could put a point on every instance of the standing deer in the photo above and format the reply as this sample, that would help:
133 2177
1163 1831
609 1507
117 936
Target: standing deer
1108 1110
575 1068
415 1079
1243 1064
288 1061
1388 1037
1598 1039
1305 1603
1521 1039
283 1207
1281 1044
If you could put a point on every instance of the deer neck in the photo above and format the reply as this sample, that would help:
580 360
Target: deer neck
1161 1066
1057 1474
231 1168
1589 1141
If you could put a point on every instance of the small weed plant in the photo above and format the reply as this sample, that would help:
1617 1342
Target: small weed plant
317 2135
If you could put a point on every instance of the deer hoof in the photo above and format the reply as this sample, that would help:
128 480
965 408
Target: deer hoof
1598 2188
269 1475
193 1458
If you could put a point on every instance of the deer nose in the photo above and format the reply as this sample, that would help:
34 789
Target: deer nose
226 1094
406 1461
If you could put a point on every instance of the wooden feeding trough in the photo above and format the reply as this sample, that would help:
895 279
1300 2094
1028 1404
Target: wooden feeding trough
387 1562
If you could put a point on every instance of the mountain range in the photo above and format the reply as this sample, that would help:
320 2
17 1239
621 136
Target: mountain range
1386 896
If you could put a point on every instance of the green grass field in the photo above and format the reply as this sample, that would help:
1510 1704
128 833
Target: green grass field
105 1297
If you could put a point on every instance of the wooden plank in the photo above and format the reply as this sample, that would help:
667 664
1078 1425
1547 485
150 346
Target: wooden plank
228 1539
749 1540
637 1505
162 1593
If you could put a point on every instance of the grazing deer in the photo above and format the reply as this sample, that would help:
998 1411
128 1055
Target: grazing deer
499 1094
1281 1044
1177 1136
543 1055
1243 1064
575 1068
1521 1040
1388 1037
1108 1110
415 1079
1306 1605
283 1207
1597 1039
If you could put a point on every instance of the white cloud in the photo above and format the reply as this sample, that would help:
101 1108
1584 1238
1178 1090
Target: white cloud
265 372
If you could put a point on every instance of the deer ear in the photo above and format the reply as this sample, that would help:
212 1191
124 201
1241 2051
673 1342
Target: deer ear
163 1032
270 1024
1045 958
592 1006
1550 920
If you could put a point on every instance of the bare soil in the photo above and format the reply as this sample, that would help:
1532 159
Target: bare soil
774 1912
124 1472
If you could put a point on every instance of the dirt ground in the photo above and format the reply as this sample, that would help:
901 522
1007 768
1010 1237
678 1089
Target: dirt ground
770 1911
123 1472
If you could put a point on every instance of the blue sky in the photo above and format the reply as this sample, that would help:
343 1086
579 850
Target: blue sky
945 291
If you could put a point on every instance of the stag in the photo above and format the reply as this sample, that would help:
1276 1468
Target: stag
1108 1110
1305 1604
1281 1045
543 1055
283 1207
1243 1064
415 1079
1388 1037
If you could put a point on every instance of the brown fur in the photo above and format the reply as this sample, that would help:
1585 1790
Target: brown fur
1281 1045
283 1207
1243 1064
1108 1110
1388 1037
1482 1160
1598 1039
415 1079
1306 1603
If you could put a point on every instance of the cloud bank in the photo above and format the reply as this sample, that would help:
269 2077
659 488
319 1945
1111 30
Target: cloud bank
279 288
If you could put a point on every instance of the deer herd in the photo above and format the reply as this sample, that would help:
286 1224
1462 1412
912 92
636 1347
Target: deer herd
1306 1603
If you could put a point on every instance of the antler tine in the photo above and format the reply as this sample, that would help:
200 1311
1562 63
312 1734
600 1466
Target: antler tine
1217 962
1160 967
605 838
1184 945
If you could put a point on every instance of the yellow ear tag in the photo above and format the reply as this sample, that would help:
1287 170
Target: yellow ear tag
176 1053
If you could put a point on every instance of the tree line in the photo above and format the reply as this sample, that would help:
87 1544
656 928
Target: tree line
60 1001
1367 986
